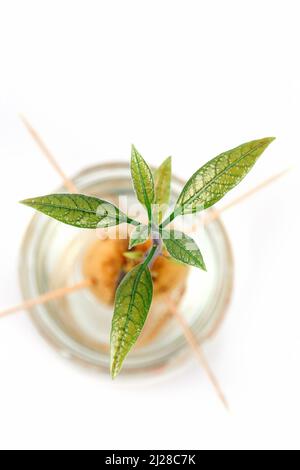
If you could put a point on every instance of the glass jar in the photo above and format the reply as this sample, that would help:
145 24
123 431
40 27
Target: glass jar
78 325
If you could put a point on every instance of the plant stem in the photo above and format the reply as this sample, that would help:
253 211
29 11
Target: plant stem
151 256
169 220
133 222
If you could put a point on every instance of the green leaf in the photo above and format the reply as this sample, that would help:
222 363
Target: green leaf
139 236
133 302
133 255
209 184
79 210
183 248
162 183
142 181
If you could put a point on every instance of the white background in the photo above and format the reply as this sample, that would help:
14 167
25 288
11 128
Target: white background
186 78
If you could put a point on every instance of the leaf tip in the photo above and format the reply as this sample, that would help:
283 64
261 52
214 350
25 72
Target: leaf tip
115 369
201 264
269 140
133 149
26 202
113 375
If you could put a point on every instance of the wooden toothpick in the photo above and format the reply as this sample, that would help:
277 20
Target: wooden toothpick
47 297
210 217
36 137
197 350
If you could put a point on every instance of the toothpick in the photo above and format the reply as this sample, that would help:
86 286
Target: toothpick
67 182
217 212
197 349
47 297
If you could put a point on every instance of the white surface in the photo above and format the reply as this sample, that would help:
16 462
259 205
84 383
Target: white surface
187 78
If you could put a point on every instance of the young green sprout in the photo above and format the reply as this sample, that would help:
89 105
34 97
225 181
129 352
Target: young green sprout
135 292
